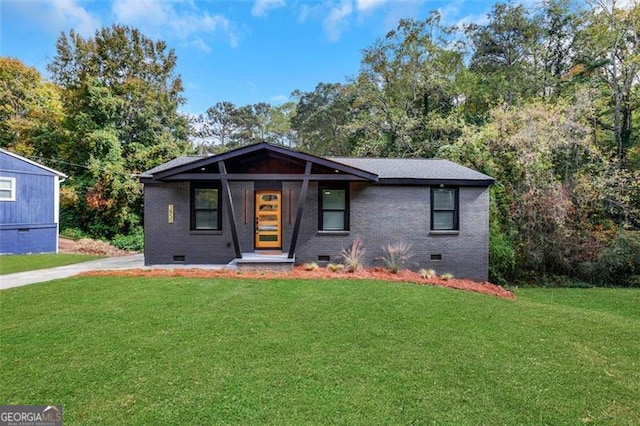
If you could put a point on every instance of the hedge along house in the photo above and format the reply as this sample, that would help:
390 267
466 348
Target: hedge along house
29 205
269 202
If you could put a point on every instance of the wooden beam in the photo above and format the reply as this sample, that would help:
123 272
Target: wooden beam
262 177
230 209
300 209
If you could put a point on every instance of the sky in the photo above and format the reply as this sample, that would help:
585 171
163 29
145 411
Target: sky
245 51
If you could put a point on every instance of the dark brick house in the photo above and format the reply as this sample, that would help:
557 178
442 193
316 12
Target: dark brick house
268 199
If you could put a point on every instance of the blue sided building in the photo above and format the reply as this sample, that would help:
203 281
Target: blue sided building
29 205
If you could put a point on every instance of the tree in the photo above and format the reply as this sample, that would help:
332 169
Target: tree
280 128
218 124
503 58
559 26
31 112
559 203
320 119
407 93
121 96
135 70
610 47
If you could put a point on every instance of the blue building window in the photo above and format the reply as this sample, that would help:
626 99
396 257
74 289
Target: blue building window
7 189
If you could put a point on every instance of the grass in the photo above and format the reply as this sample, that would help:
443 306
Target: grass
10 264
116 350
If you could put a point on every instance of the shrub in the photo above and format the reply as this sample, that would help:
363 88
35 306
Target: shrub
427 273
502 255
396 256
333 267
353 256
619 262
132 242
446 276
74 233
310 266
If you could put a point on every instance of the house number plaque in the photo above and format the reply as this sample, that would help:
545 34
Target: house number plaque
170 213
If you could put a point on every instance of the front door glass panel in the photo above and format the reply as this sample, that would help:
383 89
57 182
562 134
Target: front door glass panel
268 219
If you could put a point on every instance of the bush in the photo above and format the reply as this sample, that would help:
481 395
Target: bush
353 256
333 267
619 262
74 233
132 242
396 256
447 276
502 256
427 274
310 266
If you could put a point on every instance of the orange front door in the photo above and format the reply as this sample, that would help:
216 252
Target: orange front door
268 219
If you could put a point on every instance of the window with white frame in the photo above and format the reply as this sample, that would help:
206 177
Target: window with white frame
7 189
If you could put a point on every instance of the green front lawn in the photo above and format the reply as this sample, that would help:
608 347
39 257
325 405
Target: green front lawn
11 264
116 350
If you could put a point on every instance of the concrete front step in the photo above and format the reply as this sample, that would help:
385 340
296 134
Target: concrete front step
264 261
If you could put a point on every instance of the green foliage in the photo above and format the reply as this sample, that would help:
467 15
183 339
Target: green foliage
74 233
404 98
120 96
502 255
225 126
31 112
353 257
618 263
320 120
131 242
396 256
557 195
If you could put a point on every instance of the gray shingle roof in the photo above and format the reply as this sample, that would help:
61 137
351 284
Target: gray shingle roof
178 161
405 169
412 168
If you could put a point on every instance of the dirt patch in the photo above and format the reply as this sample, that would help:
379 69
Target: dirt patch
89 246
320 274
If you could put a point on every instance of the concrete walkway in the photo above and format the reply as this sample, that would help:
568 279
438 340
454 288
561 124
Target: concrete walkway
133 261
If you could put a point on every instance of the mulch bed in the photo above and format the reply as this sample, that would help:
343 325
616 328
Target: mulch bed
300 272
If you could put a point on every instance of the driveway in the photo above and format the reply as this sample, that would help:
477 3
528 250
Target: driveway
41 275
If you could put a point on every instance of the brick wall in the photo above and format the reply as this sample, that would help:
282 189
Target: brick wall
382 215
379 215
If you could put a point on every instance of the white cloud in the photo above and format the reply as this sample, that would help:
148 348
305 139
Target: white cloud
366 5
260 7
56 15
479 19
336 21
199 44
74 15
164 19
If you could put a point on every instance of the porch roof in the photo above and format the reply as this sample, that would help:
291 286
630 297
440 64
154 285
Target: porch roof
259 157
